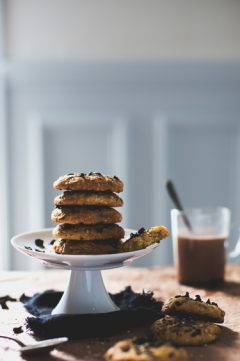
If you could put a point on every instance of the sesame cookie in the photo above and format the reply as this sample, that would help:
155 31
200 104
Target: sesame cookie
65 246
185 331
85 215
88 198
89 182
185 305
144 238
88 233
128 350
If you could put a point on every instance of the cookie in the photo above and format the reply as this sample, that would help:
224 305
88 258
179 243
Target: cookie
144 238
185 331
88 233
89 182
90 198
185 305
128 350
85 215
65 246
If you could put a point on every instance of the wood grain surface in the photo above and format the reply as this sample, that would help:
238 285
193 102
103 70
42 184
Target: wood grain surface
161 281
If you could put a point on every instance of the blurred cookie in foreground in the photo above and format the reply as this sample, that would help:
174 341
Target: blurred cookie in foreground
82 232
185 305
92 181
137 350
88 198
185 331
64 246
143 238
85 215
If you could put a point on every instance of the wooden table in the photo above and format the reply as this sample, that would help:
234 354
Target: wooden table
161 281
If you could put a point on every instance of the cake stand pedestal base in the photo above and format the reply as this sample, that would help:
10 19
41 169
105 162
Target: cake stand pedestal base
85 293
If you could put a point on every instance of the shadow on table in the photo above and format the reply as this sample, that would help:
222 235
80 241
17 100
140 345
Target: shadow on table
228 337
93 349
41 357
231 288
226 348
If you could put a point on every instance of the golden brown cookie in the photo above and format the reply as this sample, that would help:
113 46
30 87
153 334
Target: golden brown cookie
85 215
128 350
90 198
89 182
88 233
185 331
65 246
144 238
185 305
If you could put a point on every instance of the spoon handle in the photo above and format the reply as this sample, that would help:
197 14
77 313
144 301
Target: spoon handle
175 198
20 343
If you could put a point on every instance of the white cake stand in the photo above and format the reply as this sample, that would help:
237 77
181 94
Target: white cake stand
85 292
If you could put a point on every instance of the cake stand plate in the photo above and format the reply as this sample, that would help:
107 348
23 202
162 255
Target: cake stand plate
85 292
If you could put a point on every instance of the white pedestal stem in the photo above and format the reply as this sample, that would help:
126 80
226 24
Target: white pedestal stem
85 293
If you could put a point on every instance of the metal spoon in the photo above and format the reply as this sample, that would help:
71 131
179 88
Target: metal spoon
36 348
175 198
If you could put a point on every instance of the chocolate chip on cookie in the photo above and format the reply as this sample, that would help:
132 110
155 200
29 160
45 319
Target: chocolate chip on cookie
185 331
89 182
88 198
185 305
85 215
88 232
65 246
144 238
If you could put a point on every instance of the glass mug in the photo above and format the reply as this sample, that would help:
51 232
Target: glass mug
199 252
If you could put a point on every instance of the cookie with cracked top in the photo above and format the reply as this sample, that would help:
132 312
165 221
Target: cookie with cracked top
92 181
88 198
185 331
128 350
85 215
88 232
143 238
185 305
65 246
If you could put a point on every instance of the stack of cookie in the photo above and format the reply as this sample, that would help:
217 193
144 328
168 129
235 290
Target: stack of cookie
188 321
86 214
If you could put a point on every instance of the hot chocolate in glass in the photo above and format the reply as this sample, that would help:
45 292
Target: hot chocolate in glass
199 252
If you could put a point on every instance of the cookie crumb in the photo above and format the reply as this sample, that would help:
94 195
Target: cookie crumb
4 299
198 298
18 330
39 243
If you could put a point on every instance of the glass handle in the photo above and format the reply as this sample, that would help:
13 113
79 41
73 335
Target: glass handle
236 251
